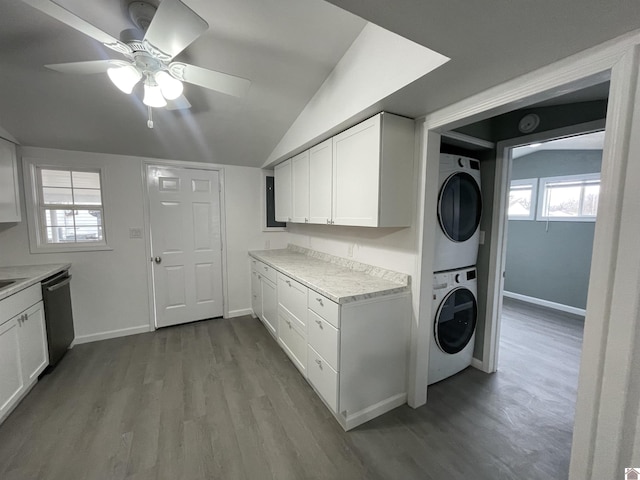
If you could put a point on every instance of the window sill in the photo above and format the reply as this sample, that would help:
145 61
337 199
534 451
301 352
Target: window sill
70 248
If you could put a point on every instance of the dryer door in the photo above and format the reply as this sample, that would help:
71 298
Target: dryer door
459 207
456 320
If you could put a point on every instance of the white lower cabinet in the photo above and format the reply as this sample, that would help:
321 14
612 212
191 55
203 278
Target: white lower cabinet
23 346
264 301
354 354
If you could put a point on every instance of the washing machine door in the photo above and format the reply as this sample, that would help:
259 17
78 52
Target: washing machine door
459 207
455 320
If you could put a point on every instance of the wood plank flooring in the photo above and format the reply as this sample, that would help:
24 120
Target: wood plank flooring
219 400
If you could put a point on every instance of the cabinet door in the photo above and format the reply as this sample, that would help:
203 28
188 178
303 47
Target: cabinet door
300 187
282 185
9 190
269 305
11 379
356 174
256 294
320 180
34 354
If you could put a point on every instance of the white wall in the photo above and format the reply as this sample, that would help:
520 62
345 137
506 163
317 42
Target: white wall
377 64
109 288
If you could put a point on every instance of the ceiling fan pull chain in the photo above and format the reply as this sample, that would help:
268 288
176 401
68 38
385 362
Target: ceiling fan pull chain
150 121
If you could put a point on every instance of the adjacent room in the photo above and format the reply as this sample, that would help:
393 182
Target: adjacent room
318 239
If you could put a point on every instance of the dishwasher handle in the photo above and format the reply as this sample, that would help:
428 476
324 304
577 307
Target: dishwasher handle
54 283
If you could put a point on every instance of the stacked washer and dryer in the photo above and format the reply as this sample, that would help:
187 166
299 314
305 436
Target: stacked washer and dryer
455 305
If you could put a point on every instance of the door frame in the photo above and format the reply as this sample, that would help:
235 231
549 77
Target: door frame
604 429
147 230
499 231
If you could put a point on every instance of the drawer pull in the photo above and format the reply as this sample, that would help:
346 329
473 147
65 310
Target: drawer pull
259 276
320 301
288 282
319 324
319 363
289 323
266 269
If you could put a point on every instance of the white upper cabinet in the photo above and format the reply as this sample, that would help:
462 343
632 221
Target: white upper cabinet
9 190
300 187
282 184
373 173
320 182
360 177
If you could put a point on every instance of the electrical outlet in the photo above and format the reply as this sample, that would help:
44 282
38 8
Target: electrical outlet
135 233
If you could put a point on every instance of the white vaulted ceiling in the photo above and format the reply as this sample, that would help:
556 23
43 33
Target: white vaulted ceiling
287 48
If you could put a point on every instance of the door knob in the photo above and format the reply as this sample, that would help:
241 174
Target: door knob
157 259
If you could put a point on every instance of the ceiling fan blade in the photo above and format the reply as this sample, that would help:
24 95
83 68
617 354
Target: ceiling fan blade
221 82
180 103
65 16
174 27
85 68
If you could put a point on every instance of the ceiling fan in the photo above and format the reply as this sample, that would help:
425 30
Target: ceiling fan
161 34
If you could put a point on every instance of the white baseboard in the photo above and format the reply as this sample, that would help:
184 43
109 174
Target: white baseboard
545 303
95 337
475 363
239 313
372 412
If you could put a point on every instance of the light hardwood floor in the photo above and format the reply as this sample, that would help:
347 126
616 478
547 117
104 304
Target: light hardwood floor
219 400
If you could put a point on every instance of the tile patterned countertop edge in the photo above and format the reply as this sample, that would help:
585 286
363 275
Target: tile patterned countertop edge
339 279
28 275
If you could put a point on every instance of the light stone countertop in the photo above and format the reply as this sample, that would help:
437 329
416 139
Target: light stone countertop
339 279
28 275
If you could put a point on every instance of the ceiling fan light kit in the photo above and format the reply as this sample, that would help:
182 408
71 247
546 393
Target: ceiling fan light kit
167 30
125 77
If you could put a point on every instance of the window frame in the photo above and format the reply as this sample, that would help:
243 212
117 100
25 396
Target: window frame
263 204
533 183
36 209
542 188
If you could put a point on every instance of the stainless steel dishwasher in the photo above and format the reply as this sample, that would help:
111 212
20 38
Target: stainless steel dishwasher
56 295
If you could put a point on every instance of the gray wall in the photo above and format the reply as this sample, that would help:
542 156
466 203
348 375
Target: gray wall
551 264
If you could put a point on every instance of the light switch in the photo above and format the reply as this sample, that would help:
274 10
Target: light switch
135 233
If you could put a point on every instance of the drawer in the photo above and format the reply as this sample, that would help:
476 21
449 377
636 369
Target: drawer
324 338
324 307
323 378
292 296
264 269
293 342
20 301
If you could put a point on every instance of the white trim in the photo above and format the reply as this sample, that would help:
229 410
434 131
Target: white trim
545 303
241 312
475 363
358 418
123 332
462 137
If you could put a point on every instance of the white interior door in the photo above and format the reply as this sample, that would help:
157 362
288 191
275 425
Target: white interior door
186 246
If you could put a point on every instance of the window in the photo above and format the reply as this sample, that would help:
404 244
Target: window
270 223
569 198
69 208
522 199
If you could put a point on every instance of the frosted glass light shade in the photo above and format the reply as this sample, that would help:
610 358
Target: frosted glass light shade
124 77
153 96
171 87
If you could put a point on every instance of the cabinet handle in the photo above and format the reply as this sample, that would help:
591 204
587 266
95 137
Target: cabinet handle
266 269
288 282
319 363
319 324
320 301
289 323
259 276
